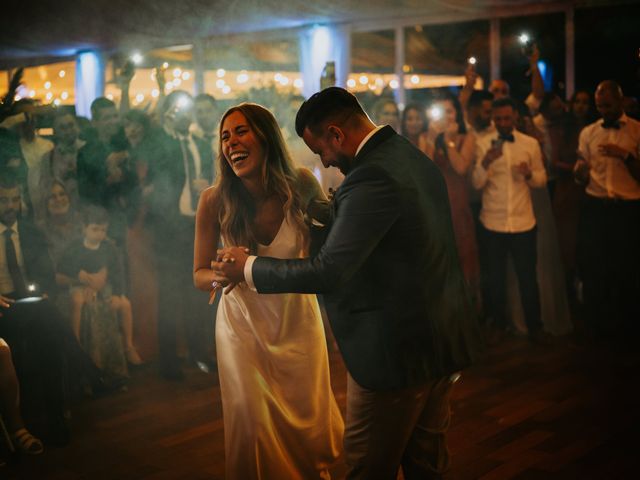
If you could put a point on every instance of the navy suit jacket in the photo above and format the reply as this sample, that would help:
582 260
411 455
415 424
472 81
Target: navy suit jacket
389 271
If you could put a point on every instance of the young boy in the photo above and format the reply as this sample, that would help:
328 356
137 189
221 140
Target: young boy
94 271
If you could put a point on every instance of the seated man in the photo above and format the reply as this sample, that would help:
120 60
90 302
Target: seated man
41 340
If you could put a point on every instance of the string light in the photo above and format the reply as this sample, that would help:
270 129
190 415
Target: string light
165 65
64 95
298 83
186 76
220 83
364 79
49 96
139 97
17 98
177 72
47 85
226 89
351 83
32 93
284 80
394 84
109 96
277 77
56 102
242 77
415 79
137 58
62 73
220 72
177 82
155 93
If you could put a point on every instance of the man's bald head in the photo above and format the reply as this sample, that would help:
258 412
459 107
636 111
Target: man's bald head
609 100
499 89
610 87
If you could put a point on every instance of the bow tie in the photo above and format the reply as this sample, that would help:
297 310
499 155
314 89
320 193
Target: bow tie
507 138
614 124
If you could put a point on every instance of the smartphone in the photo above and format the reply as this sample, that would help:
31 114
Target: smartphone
527 44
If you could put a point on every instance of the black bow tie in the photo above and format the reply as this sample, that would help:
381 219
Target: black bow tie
615 124
507 138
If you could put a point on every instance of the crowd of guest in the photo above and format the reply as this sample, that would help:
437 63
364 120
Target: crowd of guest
69 206
544 195
545 201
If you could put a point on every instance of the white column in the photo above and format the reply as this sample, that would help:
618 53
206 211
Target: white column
198 67
569 55
89 81
400 94
494 48
319 45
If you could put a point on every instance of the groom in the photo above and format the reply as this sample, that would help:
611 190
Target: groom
393 289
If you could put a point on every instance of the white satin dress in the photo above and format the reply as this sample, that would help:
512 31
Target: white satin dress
281 420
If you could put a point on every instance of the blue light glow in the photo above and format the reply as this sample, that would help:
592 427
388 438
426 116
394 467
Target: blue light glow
546 73
89 81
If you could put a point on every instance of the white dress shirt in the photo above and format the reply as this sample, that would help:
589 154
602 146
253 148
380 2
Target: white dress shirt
6 283
33 153
185 197
506 199
609 177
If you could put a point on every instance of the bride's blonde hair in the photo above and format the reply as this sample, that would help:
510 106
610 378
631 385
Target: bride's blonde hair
279 177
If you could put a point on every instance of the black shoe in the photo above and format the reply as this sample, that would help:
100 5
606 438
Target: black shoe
106 384
172 372
540 337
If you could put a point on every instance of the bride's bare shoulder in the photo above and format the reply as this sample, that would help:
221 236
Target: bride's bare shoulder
308 184
211 198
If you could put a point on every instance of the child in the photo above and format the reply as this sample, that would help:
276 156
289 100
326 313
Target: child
94 271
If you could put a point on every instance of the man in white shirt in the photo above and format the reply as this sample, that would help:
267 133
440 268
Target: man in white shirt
178 179
609 235
508 165
205 126
33 148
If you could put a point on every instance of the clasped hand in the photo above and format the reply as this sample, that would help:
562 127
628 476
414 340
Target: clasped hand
228 268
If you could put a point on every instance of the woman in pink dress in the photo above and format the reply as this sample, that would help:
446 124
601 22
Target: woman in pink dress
452 148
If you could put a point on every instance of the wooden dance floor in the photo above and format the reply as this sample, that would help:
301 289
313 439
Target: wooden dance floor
524 412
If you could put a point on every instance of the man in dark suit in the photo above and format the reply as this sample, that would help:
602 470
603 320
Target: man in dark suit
183 169
41 341
393 289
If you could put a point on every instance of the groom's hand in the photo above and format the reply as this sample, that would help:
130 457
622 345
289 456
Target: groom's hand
230 264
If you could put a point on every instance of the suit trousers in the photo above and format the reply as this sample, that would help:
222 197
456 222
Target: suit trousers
178 299
389 429
43 347
609 264
522 248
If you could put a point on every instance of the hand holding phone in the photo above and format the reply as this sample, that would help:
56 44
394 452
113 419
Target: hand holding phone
493 153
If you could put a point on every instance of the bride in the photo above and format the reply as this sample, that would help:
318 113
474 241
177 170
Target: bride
281 419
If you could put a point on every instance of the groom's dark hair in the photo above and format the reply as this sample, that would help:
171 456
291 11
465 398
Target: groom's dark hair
333 103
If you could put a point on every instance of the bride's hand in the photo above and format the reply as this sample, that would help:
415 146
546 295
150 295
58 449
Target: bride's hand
226 256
